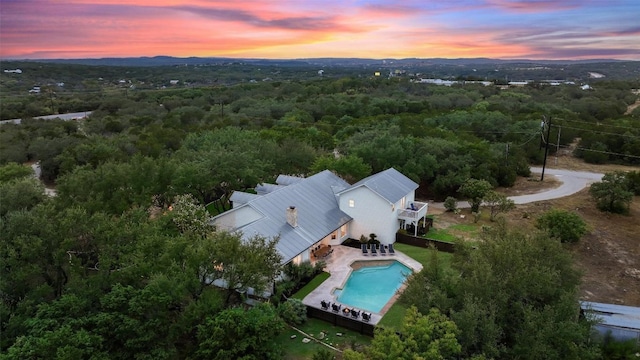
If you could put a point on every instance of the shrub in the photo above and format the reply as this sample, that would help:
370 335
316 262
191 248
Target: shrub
293 312
563 225
451 203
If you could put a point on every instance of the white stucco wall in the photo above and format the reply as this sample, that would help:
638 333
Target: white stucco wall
371 214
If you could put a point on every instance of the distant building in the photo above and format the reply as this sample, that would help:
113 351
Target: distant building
14 71
621 322
174 82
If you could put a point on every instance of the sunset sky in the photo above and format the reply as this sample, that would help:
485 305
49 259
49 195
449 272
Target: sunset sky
287 29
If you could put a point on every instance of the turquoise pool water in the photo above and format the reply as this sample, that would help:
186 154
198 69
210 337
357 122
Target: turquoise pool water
370 288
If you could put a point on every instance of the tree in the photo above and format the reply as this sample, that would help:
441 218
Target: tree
497 203
431 336
13 170
563 225
475 190
516 282
612 194
351 168
190 217
240 334
20 194
451 204
244 263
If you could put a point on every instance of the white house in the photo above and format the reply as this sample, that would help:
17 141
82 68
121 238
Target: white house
323 209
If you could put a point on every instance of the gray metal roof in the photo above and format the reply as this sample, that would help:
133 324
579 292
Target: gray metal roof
266 188
317 209
390 184
241 197
287 179
614 315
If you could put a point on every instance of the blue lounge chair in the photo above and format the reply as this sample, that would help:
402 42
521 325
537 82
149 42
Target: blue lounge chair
374 252
382 250
364 249
391 250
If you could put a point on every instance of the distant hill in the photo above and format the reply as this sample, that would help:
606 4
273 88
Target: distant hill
173 61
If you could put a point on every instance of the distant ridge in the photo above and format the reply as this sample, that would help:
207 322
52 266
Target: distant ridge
176 61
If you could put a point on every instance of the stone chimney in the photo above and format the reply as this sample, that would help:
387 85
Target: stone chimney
292 216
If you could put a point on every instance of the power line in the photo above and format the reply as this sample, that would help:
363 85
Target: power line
601 132
602 151
598 124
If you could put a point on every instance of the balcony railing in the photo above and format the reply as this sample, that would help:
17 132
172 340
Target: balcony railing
419 210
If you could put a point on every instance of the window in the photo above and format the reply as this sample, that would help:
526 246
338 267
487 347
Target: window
343 231
352 203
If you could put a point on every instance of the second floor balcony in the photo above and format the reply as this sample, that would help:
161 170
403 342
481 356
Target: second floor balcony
413 212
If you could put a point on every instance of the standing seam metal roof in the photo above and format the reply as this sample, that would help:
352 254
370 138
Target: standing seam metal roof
390 184
317 209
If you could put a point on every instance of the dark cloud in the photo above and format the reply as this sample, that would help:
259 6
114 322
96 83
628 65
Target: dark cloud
289 23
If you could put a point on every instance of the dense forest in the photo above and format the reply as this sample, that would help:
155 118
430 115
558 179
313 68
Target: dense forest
105 269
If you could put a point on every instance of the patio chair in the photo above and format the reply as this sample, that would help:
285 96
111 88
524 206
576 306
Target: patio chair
355 314
391 250
325 305
364 249
335 307
374 252
366 317
382 250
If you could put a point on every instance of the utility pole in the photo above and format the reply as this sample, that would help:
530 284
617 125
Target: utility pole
546 146
558 144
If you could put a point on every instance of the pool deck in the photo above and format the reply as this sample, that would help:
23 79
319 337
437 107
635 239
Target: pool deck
339 266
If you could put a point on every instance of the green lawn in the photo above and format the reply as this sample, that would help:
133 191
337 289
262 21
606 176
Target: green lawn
296 349
440 234
394 317
465 227
423 255
314 283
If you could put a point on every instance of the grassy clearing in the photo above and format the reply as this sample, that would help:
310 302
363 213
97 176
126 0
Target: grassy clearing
464 227
312 285
423 255
296 349
440 234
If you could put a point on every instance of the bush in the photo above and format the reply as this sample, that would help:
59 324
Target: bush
450 203
563 225
293 312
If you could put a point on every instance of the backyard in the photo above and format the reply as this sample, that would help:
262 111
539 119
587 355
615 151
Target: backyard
322 333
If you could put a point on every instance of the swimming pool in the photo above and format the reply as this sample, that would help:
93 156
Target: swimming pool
371 287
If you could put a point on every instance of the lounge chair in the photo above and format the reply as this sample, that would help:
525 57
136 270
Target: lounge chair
364 249
366 317
325 305
391 250
374 252
355 314
382 250
335 308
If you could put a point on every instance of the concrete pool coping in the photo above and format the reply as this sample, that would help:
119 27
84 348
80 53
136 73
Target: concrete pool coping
338 265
